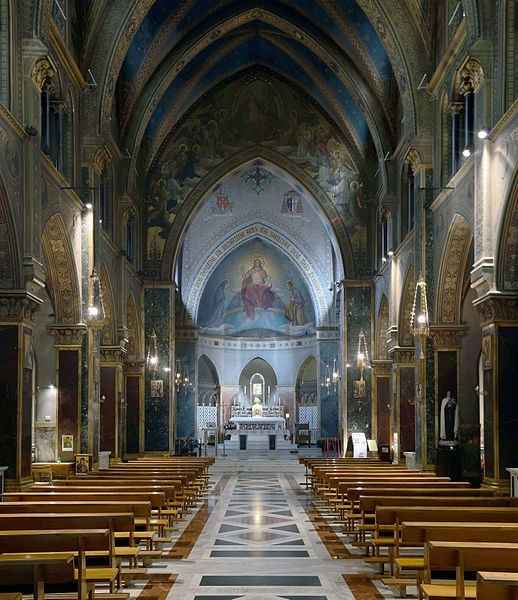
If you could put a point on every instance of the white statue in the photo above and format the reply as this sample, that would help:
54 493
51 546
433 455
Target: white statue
449 418
257 408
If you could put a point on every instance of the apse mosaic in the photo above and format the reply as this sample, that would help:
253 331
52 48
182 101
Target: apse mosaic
256 292
253 110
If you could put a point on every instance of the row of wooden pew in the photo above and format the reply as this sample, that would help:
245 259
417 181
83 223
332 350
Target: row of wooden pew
96 532
427 530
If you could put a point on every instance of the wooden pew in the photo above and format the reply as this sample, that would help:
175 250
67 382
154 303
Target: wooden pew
389 519
156 499
78 541
460 557
493 585
38 568
368 504
354 494
416 534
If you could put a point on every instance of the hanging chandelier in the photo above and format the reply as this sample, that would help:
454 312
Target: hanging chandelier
181 377
152 351
362 363
95 309
419 317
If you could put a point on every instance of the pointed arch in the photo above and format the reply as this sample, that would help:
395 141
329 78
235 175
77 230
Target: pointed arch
507 263
406 337
62 276
9 255
134 325
108 334
451 274
189 207
382 326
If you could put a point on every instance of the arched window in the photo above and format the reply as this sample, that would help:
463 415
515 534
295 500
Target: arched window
467 85
131 241
385 242
410 186
52 125
454 16
5 51
106 200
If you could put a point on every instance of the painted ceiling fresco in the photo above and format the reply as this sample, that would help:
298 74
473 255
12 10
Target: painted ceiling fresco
256 109
173 23
256 291
183 49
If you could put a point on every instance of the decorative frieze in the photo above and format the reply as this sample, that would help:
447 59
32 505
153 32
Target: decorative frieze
113 354
18 305
402 355
68 335
446 337
497 307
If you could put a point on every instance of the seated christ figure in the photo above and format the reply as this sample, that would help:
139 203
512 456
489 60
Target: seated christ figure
256 289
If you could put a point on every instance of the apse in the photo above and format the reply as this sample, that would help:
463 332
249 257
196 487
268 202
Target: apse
257 292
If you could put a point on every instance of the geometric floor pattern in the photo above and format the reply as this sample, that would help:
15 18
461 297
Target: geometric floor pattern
256 538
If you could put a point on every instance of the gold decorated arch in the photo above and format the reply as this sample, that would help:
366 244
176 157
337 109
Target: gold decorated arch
199 193
452 271
62 276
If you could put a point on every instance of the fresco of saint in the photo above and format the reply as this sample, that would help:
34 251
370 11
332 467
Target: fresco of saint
295 306
256 289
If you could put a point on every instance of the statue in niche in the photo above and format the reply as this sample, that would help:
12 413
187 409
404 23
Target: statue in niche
449 418
256 289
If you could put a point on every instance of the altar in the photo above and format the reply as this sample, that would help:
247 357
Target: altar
258 433
259 424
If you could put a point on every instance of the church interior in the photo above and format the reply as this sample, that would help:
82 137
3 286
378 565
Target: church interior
259 299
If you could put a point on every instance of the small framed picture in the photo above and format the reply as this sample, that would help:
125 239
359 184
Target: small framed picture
83 464
67 443
157 388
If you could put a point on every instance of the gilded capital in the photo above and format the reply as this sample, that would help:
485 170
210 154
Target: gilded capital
42 71
470 76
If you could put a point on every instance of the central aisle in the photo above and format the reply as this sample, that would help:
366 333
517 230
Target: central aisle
258 537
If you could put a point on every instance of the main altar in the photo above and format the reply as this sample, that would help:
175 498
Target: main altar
257 427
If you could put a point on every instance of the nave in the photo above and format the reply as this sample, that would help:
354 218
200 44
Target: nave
167 528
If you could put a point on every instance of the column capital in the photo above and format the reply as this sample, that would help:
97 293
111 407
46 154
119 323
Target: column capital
70 336
382 368
402 355
446 337
497 307
113 354
18 305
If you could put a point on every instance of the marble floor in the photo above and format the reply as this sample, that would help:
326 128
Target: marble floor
258 536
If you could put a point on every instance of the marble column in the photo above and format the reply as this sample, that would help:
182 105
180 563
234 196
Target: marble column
133 408
403 405
158 318
68 342
111 395
16 384
499 319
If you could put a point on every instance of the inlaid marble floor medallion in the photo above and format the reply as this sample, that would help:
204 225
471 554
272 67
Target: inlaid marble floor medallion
258 536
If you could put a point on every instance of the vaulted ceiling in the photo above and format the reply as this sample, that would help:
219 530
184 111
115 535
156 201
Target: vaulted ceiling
356 59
